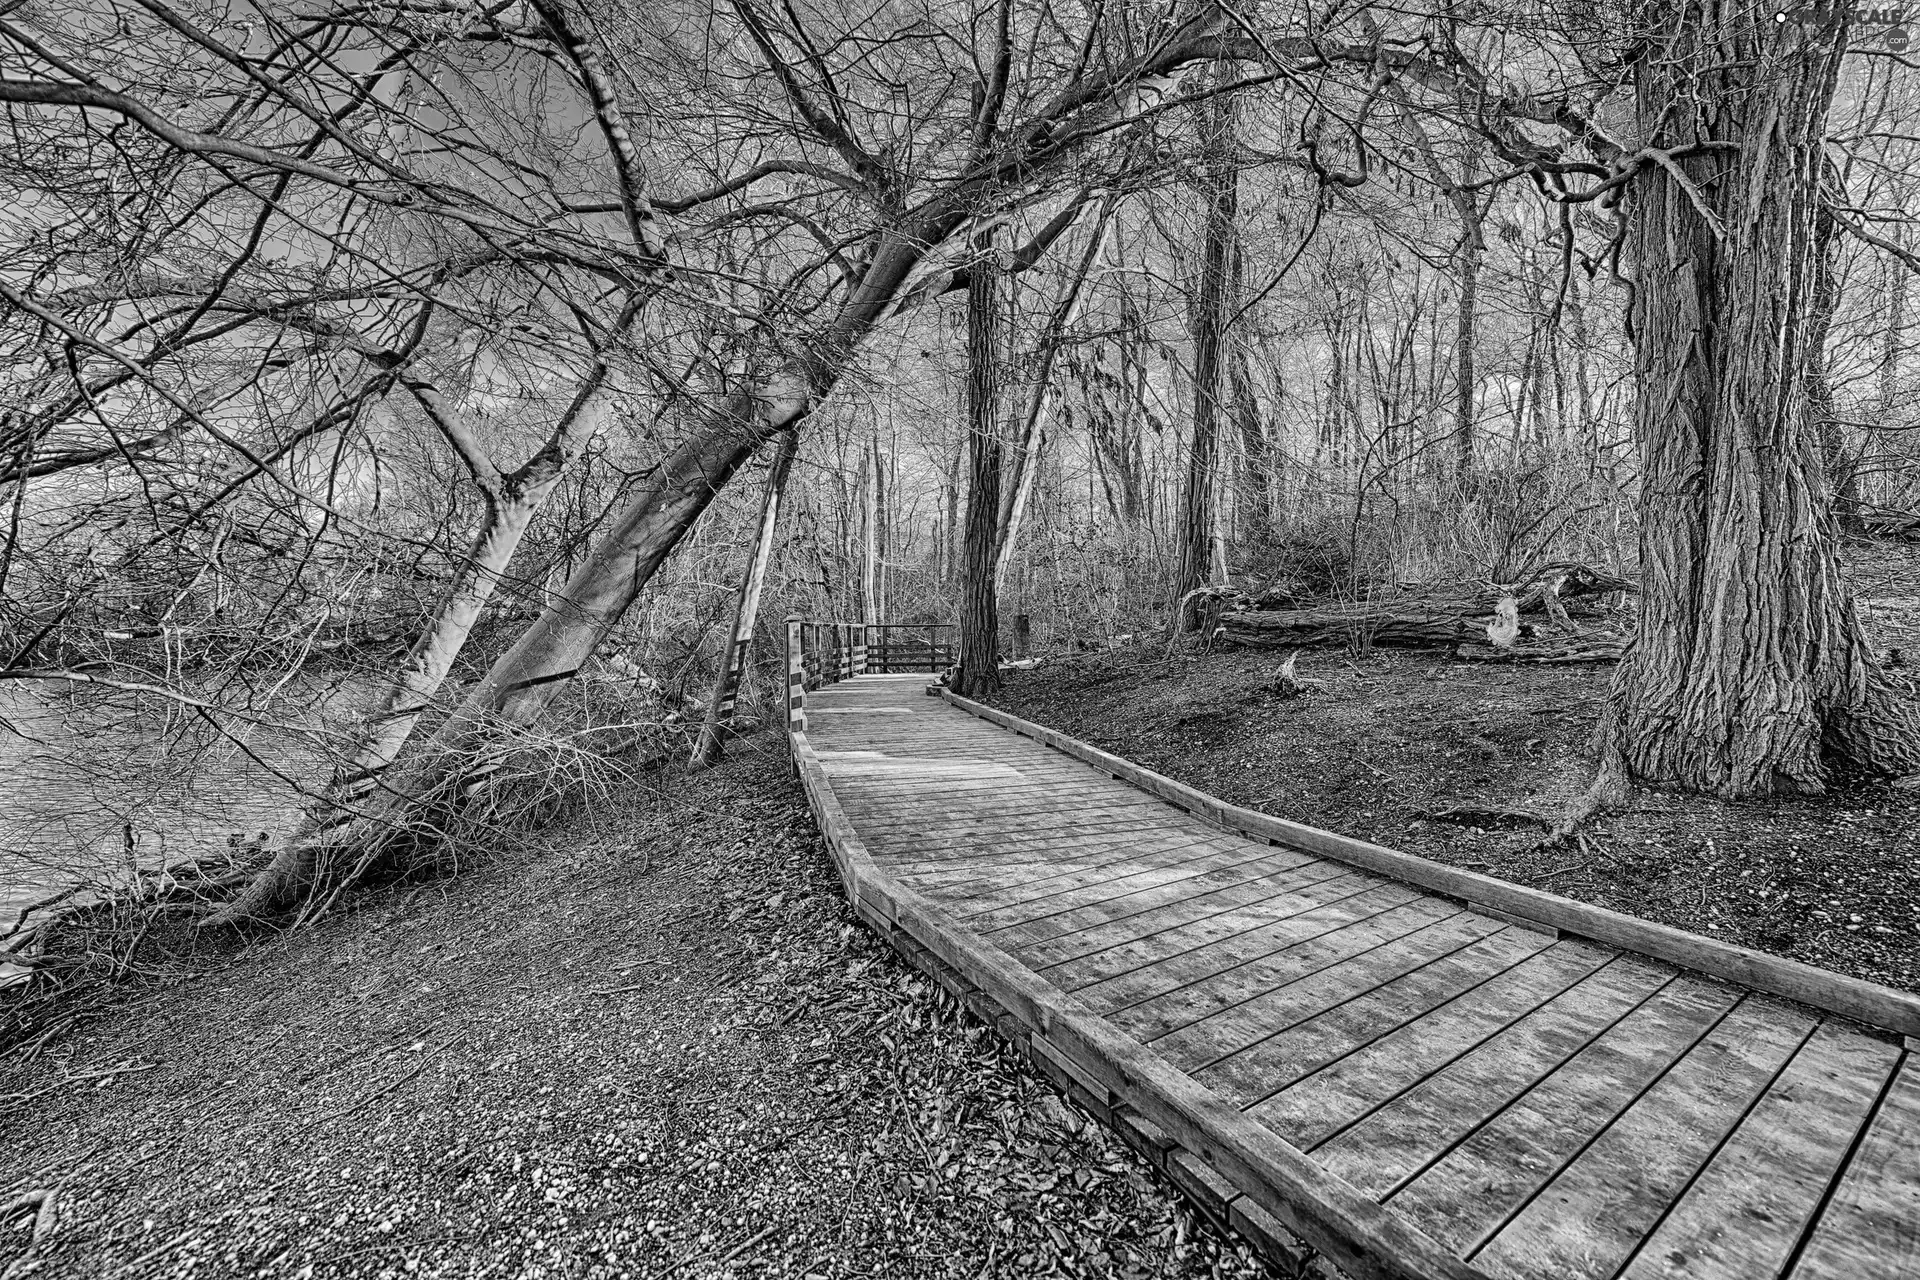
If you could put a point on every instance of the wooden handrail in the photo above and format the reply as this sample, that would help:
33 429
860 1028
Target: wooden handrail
826 652
1867 1002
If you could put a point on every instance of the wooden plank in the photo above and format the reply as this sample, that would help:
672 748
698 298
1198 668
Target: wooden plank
1216 941
1587 1221
1867 1002
887 817
1033 895
1478 1186
888 806
955 876
955 879
1871 1226
1220 869
1160 997
933 847
1152 847
1748 1207
1058 775
1373 1011
1395 1143
1414 1129
1367 1243
1061 831
1162 921
1017 904
1216 1028
941 831
1393 1032
1343 1092
1026 788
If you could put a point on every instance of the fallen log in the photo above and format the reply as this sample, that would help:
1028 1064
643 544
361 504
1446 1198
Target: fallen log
1582 649
1563 585
1885 522
1343 624
1439 615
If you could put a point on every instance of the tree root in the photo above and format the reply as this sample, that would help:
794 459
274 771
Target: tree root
1473 813
1612 788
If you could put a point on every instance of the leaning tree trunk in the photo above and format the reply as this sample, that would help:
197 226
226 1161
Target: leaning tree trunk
746 610
1750 671
979 673
461 757
359 788
410 690
1199 523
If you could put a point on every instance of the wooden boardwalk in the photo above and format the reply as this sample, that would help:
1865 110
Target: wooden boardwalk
1322 1034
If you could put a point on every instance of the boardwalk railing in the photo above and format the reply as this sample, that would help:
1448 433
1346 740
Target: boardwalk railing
820 653
1426 1074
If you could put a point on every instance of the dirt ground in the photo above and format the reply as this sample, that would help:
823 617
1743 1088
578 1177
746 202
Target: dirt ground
1390 738
658 1046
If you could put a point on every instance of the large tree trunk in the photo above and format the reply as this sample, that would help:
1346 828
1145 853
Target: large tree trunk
878 496
1256 474
746 609
979 673
1466 343
1210 314
1750 671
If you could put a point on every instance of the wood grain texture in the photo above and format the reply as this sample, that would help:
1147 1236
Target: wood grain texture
1871 1227
1410 1067
1867 1002
1749 1206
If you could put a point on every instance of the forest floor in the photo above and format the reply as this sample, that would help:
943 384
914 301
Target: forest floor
659 1045
1391 738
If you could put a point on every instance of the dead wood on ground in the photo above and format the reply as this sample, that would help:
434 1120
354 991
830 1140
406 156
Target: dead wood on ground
1533 620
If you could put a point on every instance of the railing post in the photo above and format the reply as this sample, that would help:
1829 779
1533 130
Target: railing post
859 648
933 655
796 677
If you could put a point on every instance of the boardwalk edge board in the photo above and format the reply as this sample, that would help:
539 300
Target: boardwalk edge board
1877 1006
1233 1168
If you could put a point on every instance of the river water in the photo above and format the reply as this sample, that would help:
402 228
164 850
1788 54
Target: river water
88 779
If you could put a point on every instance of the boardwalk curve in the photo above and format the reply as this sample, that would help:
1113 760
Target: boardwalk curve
1422 1072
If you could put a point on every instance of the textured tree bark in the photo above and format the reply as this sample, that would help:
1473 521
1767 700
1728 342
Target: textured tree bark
1750 674
878 493
979 673
950 515
1220 190
1834 455
1256 473
746 610
1466 340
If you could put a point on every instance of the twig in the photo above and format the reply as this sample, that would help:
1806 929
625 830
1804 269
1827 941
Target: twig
157 1250
31 907
11 1100
1378 773
384 1089
731 1254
